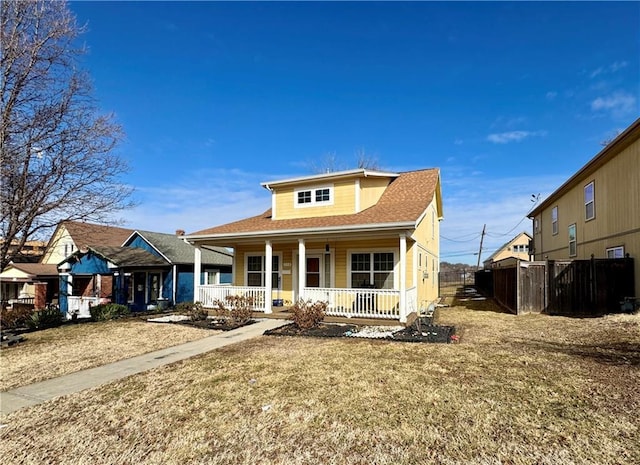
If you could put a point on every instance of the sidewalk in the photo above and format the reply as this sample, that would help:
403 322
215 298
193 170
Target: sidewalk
36 393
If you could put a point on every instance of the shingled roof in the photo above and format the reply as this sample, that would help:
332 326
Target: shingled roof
404 201
127 256
36 269
177 251
89 234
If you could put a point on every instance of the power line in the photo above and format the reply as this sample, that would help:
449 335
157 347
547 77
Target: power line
476 236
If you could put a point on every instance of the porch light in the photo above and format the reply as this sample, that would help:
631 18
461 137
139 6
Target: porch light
326 248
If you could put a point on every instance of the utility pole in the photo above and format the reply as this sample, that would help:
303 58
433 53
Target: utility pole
481 240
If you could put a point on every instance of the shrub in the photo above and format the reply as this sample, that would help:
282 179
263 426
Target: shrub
50 317
105 312
307 314
15 317
193 310
236 307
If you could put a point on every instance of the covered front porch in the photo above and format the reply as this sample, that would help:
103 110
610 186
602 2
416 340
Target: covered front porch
374 278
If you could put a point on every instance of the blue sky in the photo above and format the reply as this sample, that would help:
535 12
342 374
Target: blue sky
508 99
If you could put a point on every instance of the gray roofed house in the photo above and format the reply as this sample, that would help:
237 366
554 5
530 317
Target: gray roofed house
177 251
149 270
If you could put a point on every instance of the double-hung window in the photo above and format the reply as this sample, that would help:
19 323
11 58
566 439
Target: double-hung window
554 220
573 243
256 269
372 269
589 201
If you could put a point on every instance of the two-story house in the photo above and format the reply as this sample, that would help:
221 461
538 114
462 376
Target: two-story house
596 212
509 253
366 242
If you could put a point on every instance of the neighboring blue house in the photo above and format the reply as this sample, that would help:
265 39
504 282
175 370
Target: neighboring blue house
150 270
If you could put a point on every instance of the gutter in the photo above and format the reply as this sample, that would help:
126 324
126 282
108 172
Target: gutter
376 227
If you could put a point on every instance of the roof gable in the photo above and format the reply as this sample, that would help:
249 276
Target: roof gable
119 256
403 203
175 250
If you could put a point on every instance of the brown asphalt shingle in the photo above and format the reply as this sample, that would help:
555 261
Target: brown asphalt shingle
404 200
36 269
88 234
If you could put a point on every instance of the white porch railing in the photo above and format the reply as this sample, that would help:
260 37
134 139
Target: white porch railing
357 303
363 303
78 305
209 294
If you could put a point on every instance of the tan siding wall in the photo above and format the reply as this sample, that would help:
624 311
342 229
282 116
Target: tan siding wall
371 189
617 210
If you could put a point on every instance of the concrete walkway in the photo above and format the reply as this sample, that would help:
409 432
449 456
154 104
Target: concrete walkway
36 393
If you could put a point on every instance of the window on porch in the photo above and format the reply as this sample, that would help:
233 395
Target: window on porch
256 270
372 270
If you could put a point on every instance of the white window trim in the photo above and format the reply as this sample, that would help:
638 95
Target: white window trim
613 249
216 272
575 241
554 222
261 254
396 264
313 202
592 201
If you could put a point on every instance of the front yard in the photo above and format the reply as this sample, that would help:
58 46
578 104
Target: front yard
59 351
517 390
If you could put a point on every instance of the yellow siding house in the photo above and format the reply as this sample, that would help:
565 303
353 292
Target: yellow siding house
367 242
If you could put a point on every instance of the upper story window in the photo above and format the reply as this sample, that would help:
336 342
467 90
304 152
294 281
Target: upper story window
589 201
314 197
554 220
304 197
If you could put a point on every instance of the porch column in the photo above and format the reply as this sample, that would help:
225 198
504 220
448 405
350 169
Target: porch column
302 267
174 290
197 270
403 278
268 258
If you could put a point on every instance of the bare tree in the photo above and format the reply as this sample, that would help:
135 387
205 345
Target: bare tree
330 162
57 157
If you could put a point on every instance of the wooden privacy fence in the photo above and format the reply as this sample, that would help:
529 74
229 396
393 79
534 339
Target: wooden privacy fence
576 287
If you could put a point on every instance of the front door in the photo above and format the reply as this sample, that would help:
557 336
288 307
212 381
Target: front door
314 277
139 291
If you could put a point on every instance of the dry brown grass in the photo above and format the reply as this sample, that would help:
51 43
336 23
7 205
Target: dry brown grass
516 390
58 351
